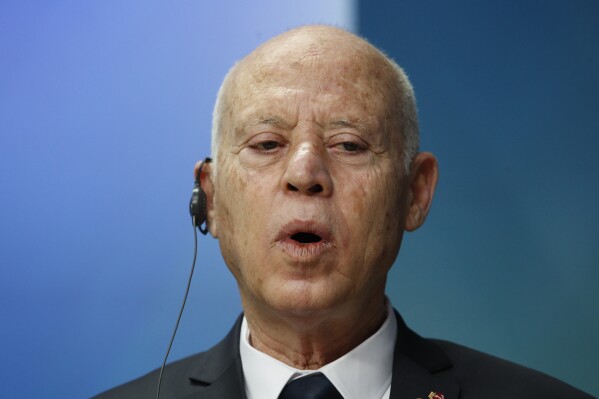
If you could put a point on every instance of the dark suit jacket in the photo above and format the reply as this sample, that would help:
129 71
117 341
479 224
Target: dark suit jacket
420 366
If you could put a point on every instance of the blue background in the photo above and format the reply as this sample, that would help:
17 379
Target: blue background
105 107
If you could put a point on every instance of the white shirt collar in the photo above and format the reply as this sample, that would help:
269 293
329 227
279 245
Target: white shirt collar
363 373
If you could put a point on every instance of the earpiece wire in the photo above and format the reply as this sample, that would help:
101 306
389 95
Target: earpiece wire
193 264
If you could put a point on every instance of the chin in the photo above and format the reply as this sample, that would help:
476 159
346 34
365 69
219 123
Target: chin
303 299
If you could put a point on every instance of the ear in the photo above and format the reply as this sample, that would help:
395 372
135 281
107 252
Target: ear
208 188
423 180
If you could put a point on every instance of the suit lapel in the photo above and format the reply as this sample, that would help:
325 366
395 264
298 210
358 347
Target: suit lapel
418 368
219 374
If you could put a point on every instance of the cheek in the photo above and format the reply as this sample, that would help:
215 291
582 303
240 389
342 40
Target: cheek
240 210
229 203
231 195
375 196
374 215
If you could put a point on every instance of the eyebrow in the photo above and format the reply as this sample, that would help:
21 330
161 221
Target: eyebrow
359 125
276 121
267 120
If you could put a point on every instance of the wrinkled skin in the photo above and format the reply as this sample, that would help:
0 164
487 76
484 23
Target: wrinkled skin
311 147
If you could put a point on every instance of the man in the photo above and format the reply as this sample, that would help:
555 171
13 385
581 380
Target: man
316 176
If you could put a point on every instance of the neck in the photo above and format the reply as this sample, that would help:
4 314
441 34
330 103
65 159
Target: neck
308 342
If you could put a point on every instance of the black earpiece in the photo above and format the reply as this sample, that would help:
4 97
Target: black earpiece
197 209
197 203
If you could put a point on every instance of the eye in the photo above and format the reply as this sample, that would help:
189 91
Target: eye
267 145
350 146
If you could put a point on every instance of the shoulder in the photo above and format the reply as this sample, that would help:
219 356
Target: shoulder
482 375
215 373
175 377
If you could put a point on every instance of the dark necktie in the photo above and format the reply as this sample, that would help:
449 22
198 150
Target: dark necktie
313 386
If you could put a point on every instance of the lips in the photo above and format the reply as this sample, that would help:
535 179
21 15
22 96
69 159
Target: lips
304 240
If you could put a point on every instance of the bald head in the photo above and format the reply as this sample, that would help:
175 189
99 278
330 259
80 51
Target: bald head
319 53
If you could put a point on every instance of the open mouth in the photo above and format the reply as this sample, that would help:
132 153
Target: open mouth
306 238
305 242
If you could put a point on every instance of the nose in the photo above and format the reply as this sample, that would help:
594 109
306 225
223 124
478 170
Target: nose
307 171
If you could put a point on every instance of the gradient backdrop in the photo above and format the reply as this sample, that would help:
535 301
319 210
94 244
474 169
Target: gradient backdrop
105 107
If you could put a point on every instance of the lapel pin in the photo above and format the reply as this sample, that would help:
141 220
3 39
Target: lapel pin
435 395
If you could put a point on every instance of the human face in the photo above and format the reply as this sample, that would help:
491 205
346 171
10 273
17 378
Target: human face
309 195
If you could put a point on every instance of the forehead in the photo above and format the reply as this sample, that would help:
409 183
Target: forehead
343 87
